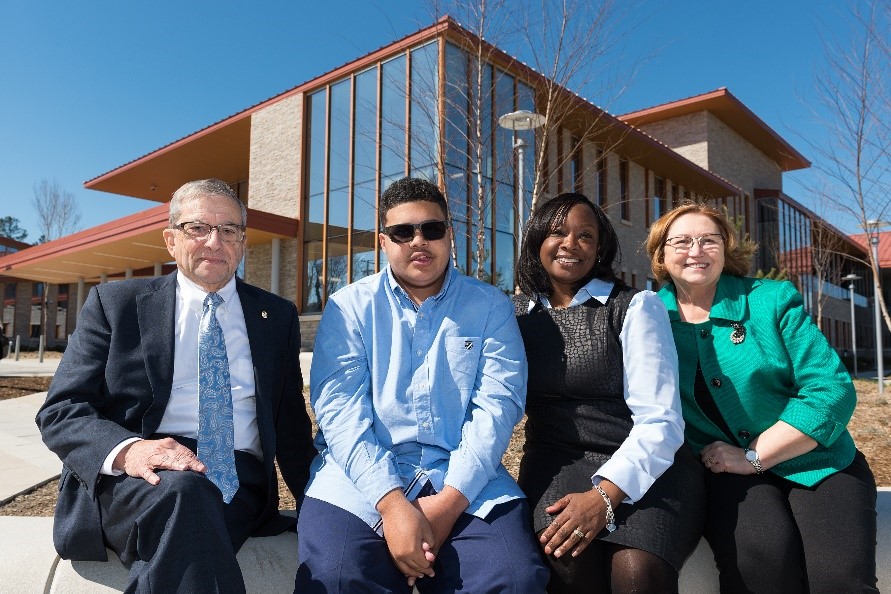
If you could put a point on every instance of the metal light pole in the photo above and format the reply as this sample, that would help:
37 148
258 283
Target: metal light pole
852 277
515 121
873 232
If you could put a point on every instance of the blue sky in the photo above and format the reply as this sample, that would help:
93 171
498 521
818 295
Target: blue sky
88 86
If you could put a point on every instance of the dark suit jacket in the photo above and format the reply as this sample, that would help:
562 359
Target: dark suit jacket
114 382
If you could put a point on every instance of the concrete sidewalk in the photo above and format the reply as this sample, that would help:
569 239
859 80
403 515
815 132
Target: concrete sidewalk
28 367
24 461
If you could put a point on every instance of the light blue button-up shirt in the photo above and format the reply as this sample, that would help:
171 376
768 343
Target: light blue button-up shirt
401 391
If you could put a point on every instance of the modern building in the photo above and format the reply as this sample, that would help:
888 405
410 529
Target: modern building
311 162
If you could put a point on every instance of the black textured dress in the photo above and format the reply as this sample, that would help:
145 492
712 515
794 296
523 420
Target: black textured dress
577 418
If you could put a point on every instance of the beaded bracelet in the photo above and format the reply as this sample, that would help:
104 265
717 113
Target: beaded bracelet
610 516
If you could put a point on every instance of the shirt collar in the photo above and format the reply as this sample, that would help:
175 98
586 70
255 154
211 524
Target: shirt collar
595 288
398 290
193 296
729 303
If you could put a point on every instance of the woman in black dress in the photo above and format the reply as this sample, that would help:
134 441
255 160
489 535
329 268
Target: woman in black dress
616 495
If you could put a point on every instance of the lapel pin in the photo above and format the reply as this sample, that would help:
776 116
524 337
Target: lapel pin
739 333
263 314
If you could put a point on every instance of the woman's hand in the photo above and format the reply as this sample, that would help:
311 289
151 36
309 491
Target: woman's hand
578 517
778 443
723 457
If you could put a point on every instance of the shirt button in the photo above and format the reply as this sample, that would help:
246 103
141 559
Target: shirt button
420 353
716 382
743 434
703 333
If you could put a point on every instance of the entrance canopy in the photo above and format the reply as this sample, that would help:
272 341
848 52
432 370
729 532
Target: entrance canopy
133 242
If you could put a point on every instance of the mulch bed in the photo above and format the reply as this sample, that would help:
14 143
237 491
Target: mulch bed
13 387
870 426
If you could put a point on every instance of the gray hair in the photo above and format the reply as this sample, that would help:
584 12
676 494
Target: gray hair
197 189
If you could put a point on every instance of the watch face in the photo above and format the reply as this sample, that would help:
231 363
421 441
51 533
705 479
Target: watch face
751 455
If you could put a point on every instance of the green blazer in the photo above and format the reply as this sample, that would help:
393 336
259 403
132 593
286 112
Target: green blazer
784 369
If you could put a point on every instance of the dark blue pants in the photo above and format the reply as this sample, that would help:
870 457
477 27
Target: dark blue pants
341 553
179 536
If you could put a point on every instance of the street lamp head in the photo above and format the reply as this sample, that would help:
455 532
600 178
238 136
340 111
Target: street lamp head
521 120
851 277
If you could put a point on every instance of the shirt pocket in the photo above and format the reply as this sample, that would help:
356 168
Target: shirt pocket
463 355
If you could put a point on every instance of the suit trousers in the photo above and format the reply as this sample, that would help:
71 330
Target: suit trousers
178 535
771 535
338 552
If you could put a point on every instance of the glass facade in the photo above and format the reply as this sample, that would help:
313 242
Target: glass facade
403 116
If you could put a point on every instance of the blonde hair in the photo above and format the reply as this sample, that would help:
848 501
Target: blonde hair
737 254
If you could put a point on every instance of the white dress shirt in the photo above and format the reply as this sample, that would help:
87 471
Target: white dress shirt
651 391
181 414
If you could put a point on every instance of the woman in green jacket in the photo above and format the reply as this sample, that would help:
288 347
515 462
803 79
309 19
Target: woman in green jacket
766 401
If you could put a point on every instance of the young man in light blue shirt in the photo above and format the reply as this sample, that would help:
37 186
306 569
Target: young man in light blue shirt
417 382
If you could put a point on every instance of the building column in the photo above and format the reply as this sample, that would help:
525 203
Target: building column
81 290
21 320
276 265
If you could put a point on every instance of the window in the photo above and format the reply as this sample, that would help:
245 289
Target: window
602 199
623 190
577 168
660 205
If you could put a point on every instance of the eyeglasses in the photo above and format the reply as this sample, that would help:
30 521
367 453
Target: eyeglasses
405 232
201 231
710 242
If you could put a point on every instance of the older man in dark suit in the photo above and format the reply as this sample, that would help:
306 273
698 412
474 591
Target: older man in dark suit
172 400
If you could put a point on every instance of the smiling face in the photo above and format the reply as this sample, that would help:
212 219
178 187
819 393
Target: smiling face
419 265
569 253
210 262
697 270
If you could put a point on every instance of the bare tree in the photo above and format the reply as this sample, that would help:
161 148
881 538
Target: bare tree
571 43
566 43
854 108
58 214
57 211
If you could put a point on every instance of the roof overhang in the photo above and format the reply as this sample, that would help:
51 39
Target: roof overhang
133 242
221 151
730 110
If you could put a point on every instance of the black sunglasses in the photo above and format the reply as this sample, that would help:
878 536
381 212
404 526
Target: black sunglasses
405 232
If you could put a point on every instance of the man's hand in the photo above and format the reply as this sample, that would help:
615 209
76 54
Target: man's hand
408 535
141 458
442 511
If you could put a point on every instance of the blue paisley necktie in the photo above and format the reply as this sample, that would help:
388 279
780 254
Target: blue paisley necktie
216 429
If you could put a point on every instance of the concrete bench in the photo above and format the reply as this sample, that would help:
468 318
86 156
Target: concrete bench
29 564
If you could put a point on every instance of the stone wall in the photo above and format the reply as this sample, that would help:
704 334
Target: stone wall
275 158
275 188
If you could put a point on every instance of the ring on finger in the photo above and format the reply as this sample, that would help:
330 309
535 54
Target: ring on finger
579 533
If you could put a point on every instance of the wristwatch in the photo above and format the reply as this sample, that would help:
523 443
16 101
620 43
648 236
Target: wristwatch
754 460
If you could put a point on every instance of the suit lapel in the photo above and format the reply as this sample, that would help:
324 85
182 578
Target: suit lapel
257 321
156 312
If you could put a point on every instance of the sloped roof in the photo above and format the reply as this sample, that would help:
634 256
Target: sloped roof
733 112
884 246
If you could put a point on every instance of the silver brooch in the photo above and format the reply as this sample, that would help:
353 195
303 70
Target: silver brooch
739 333
263 314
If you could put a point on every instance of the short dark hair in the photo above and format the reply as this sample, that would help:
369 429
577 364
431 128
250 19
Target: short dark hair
410 189
531 275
